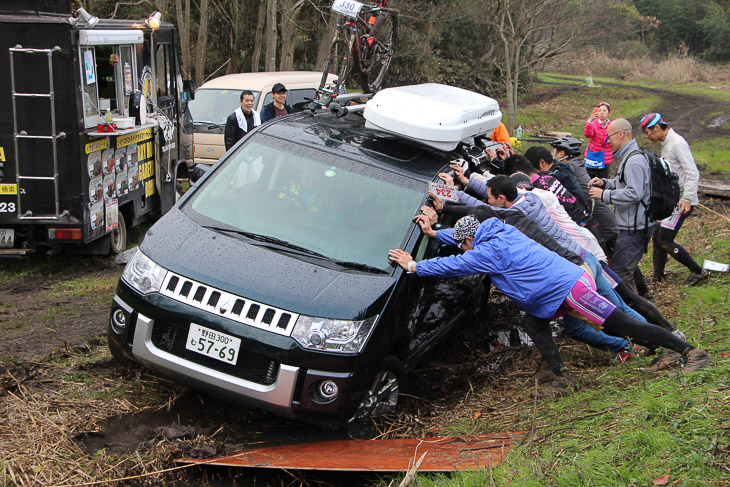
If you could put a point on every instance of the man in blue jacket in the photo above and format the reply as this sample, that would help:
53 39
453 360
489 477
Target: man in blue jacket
518 267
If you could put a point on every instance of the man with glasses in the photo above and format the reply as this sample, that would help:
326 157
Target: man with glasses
630 193
675 149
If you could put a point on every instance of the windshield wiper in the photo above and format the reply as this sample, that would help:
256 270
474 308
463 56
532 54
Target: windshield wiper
265 239
206 122
357 266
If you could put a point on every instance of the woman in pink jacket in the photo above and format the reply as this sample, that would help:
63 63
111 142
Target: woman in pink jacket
598 153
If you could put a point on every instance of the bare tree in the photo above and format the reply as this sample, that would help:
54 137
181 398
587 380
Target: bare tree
530 31
258 36
270 60
326 42
229 14
183 25
202 41
289 11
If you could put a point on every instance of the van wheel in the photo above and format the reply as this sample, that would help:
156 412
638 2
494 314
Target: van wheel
382 397
119 236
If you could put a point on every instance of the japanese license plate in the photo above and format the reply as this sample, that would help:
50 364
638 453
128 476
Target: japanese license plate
347 7
213 344
7 238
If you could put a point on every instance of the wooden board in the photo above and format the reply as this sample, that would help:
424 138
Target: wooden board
443 454
714 188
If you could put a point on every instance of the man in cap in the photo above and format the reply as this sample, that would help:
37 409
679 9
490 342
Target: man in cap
241 121
675 150
277 107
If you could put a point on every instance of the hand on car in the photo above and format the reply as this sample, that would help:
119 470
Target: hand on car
459 174
400 257
491 153
448 180
433 217
425 224
438 203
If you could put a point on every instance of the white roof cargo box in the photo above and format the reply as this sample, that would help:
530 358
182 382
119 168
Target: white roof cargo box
435 115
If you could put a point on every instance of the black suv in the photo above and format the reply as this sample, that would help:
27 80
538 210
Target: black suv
269 283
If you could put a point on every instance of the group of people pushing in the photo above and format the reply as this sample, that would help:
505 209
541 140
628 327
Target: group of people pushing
543 232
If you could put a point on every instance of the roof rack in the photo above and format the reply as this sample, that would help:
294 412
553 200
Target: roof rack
338 104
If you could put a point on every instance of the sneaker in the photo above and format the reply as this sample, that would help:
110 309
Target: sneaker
696 359
677 333
667 361
543 374
694 278
627 354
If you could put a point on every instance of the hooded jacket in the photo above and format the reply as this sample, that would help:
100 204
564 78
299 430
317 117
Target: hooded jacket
596 133
535 278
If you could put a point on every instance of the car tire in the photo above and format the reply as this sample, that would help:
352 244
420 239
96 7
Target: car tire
387 384
116 351
118 237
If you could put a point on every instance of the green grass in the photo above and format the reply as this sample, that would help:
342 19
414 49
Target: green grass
713 153
87 285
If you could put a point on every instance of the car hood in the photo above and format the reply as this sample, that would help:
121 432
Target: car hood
264 275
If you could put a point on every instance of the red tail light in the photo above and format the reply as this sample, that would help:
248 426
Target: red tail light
64 234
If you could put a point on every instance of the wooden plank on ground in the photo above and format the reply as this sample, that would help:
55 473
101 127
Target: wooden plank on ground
714 188
443 454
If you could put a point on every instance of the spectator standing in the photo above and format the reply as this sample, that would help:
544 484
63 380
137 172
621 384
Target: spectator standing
277 107
675 149
630 193
242 120
599 153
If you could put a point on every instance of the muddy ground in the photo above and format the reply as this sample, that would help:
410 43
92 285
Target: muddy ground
42 322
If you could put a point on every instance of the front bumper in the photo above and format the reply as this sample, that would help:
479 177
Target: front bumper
257 381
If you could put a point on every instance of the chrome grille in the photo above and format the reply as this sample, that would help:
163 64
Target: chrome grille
228 305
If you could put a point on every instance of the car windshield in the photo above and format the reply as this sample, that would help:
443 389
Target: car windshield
342 209
214 105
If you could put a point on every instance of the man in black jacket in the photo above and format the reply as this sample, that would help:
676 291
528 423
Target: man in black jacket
277 107
241 121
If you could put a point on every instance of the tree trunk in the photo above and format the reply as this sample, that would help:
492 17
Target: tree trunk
270 61
288 32
324 45
202 41
183 22
234 38
258 36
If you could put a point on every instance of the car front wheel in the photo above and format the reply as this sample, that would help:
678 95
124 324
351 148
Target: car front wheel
382 397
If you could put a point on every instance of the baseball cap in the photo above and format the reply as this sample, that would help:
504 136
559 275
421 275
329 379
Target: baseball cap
278 87
522 181
648 121
465 227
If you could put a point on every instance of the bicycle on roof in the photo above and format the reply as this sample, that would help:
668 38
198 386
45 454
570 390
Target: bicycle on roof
362 46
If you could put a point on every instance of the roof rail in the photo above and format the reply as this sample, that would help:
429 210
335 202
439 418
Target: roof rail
338 104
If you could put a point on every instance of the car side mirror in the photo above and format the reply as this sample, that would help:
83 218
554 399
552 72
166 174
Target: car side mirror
188 90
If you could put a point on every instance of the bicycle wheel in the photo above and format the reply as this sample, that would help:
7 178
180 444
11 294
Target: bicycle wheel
373 65
339 59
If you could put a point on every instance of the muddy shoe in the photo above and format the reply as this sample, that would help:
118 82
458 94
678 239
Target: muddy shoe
694 279
543 374
559 386
677 333
668 360
697 359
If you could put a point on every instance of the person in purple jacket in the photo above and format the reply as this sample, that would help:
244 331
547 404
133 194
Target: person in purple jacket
518 266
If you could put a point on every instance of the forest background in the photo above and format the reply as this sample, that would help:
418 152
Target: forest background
488 46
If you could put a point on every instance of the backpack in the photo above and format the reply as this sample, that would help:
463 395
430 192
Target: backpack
664 186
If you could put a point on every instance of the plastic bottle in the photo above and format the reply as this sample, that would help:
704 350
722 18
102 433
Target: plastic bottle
108 116
519 132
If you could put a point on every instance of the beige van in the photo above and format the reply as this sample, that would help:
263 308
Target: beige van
218 98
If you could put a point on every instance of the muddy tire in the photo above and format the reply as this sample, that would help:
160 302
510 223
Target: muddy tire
118 237
116 351
382 397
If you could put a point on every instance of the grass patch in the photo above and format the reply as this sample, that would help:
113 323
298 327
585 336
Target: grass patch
97 284
712 154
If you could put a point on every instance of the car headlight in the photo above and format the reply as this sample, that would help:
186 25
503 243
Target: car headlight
143 274
341 336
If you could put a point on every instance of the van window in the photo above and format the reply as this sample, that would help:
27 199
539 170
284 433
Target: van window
336 207
108 72
214 105
295 98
